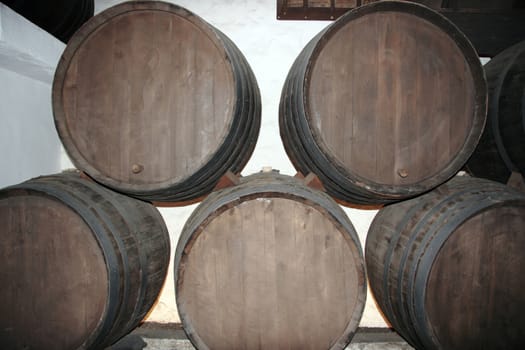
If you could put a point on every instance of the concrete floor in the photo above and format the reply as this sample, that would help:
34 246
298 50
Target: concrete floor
171 337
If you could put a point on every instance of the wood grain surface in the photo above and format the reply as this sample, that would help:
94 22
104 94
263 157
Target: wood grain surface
269 270
160 98
81 265
148 98
483 261
389 98
386 103
54 279
444 267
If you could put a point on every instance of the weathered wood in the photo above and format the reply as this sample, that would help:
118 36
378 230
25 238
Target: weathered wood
380 114
445 267
227 180
269 264
311 180
81 265
152 101
501 149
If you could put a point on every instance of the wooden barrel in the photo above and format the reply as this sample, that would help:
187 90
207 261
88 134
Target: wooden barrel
501 149
269 264
386 103
60 18
80 265
445 268
152 101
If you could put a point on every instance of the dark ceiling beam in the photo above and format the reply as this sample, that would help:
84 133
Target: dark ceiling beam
490 30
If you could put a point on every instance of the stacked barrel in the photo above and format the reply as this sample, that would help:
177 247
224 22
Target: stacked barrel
444 267
150 102
500 152
81 265
383 107
386 105
269 264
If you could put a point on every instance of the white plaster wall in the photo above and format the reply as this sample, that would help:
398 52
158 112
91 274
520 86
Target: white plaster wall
28 57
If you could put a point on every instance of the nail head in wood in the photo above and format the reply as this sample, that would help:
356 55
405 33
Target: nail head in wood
402 173
137 168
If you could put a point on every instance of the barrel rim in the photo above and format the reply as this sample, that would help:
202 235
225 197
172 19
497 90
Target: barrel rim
35 188
480 97
494 143
438 209
421 277
76 42
122 227
249 190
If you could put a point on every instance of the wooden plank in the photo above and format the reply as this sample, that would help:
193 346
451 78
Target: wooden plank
270 273
481 260
152 101
444 266
371 102
54 280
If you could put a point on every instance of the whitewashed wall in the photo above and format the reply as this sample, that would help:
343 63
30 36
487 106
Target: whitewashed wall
28 140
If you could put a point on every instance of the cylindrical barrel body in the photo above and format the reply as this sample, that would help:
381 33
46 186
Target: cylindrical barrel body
446 268
501 149
152 101
269 264
80 265
386 103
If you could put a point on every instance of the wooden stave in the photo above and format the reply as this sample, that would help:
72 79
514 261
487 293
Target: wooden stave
293 138
245 119
412 312
400 287
499 151
436 19
293 132
396 312
243 142
257 186
126 251
359 190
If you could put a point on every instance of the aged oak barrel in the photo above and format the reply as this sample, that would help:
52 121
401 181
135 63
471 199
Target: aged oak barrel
501 149
80 266
152 101
269 264
446 268
386 103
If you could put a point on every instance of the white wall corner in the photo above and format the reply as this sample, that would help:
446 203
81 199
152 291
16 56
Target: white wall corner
26 48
